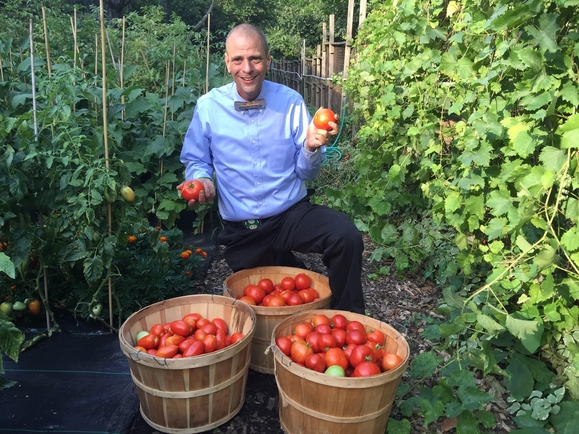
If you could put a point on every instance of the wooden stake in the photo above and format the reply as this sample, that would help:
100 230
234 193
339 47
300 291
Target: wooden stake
207 67
173 81
46 43
122 69
105 138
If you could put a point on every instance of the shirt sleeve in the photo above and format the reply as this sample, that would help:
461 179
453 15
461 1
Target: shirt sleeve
196 151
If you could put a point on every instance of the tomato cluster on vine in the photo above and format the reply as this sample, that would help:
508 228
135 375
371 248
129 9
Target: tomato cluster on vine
290 291
338 346
192 335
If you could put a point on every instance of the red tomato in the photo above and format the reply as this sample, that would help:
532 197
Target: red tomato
357 337
294 299
210 329
340 336
220 324
195 316
191 321
320 319
235 337
248 300
185 344
356 325
323 117
286 295
34 307
200 334
302 281
324 329
174 340
276 301
195 349
300 351
376 336
148 342
316 362
191 189
210 342
339 321
303 329
307 295
314 292
152 352
266 284
284 344
390 361
202 322
366 369
163 338
326 341
167 352
348 350
362 353
312 339
157 330
181 328
376 348
178 356
336 356
288 283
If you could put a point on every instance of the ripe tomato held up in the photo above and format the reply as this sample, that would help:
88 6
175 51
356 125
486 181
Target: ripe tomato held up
190 190
323 117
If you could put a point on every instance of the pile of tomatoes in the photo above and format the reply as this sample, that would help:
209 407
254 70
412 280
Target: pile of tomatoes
192 335
290 291
338 346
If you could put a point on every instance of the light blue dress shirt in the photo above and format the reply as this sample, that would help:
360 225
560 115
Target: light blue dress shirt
257 156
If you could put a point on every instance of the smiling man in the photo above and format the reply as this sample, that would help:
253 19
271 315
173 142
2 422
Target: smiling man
256 139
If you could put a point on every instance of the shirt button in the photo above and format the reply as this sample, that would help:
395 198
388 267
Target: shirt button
255 163
257 183
253 141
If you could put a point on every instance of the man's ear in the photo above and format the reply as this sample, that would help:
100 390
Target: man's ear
226 59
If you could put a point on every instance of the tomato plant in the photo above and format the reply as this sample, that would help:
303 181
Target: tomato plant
190 190
323 117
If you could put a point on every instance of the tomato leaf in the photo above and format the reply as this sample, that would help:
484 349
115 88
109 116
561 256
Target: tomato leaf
10 340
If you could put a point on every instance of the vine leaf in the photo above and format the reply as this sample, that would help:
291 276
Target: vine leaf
529 332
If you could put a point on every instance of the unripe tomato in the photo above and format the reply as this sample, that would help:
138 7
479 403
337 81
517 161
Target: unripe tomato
18 305
128 193
6 308
322 119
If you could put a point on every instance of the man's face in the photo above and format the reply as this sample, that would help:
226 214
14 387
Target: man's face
247 62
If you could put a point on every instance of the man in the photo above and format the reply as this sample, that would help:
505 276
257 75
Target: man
258 140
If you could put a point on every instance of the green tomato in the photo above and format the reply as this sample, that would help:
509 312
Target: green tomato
141 334
18 305
128 193
97 309
335 371
6 307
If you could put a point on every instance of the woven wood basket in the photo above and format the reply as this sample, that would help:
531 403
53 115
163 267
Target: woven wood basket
192 394
269 317
312 402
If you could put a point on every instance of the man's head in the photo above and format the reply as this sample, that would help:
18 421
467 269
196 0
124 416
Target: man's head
247 59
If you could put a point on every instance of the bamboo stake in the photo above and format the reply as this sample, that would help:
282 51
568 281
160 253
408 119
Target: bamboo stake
122 69
207 67
105 140
111 49
173 82
1 69
46 43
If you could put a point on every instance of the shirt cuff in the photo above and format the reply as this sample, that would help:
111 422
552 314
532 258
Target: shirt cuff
310 154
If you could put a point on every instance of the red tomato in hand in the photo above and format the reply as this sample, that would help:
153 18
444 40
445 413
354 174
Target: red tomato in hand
302 281
323 117
191 189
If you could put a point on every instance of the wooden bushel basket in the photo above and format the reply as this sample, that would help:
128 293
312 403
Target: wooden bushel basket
269 317
312 402
192 394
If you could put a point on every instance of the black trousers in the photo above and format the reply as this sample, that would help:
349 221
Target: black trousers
304 228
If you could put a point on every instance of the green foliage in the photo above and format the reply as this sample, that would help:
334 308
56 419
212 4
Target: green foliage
468 127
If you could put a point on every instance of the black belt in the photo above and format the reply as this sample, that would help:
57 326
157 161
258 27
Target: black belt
248 224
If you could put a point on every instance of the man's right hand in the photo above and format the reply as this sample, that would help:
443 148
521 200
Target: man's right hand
205 196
